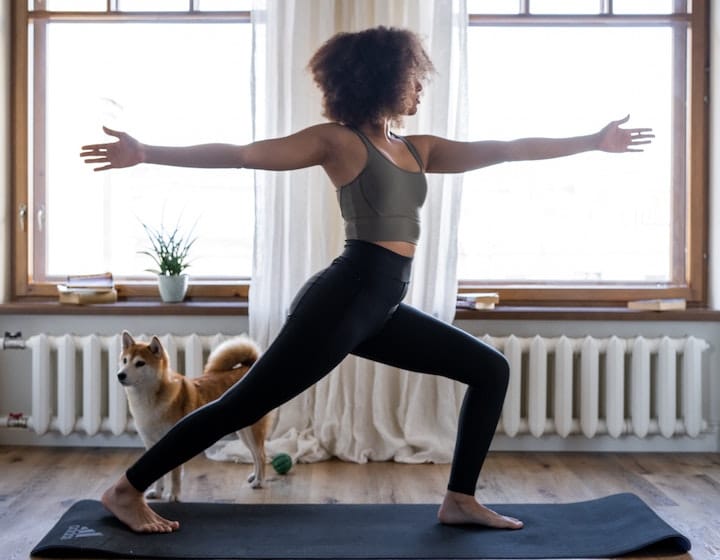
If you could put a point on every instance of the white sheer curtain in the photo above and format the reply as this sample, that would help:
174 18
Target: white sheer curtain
363 410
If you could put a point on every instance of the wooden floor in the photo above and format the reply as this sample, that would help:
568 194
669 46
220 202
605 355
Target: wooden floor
38 484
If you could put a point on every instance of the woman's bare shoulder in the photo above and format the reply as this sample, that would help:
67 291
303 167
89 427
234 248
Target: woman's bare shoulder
332 131
340 139
424 144
345 153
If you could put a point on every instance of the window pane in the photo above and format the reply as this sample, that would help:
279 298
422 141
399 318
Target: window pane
76 5
171 84
153 5
493 6
643 6
589 217
565 6
225 5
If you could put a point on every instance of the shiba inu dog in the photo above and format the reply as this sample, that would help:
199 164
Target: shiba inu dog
158 397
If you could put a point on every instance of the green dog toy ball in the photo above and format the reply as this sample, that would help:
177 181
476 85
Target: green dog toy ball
282 463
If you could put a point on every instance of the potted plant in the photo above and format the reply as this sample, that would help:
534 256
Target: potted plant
169 249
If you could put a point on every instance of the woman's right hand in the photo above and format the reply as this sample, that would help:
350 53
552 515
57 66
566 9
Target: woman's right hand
126 152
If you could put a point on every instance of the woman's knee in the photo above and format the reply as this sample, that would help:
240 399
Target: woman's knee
490 366
502 370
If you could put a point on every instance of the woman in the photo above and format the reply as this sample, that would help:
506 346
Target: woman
370 80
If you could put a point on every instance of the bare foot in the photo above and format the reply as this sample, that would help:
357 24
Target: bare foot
130 507
458 509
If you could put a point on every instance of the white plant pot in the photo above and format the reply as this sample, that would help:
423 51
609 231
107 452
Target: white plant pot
172 288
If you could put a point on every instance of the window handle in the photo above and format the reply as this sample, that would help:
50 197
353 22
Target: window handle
22 216
41 218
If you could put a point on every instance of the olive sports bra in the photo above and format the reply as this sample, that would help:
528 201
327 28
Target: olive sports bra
383 202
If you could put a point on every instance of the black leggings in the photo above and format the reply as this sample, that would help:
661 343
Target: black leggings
351 307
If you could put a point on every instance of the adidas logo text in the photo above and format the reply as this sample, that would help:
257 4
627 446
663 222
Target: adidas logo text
79 532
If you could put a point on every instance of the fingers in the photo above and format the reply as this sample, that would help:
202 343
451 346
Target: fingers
94 154
106 152
636 141
640 133
108 165
99 150
635 133
640 136
93 148
111 132
623 120
94 160
637 137
94 157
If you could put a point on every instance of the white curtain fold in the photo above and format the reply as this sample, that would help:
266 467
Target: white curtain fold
362 411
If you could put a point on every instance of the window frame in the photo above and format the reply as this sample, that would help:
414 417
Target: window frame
692 288
690 169
25 260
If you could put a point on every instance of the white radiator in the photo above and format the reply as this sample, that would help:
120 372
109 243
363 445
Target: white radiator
596 386
591 386
74 383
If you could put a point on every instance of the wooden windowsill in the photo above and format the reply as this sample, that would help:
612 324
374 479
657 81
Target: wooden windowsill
220 307
135 306
527 313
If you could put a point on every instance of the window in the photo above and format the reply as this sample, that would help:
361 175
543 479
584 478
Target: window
548 232
599 227
179 77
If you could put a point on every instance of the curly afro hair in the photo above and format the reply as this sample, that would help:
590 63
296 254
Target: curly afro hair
365 76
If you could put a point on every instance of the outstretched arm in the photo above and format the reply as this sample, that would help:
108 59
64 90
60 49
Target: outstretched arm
303 149
447 156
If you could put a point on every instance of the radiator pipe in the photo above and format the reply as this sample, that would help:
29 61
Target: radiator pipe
13 341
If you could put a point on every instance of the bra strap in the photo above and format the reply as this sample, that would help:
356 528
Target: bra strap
362 137
413 151
371 147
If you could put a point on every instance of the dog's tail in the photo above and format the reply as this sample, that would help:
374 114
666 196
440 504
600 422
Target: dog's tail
235 352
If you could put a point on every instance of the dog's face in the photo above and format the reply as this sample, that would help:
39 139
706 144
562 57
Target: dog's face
142 364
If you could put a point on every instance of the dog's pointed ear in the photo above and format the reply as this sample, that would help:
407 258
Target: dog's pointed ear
156 346
127 340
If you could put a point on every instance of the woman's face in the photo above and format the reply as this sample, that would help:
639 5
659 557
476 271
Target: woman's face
412 96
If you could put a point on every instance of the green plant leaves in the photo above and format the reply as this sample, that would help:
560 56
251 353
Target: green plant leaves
169 249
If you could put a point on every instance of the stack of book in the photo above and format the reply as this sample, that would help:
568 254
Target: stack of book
671 304
477 300
88 288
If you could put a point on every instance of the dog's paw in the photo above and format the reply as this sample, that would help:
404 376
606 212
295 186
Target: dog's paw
254 481
173 498
152 494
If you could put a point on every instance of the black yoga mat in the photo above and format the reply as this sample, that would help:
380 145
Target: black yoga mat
610 526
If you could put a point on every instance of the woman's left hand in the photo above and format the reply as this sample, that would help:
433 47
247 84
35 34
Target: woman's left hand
612 138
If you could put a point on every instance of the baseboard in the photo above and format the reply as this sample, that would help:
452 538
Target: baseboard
708 442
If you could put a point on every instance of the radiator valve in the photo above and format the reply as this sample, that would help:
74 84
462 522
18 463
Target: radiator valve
13 341
17 420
